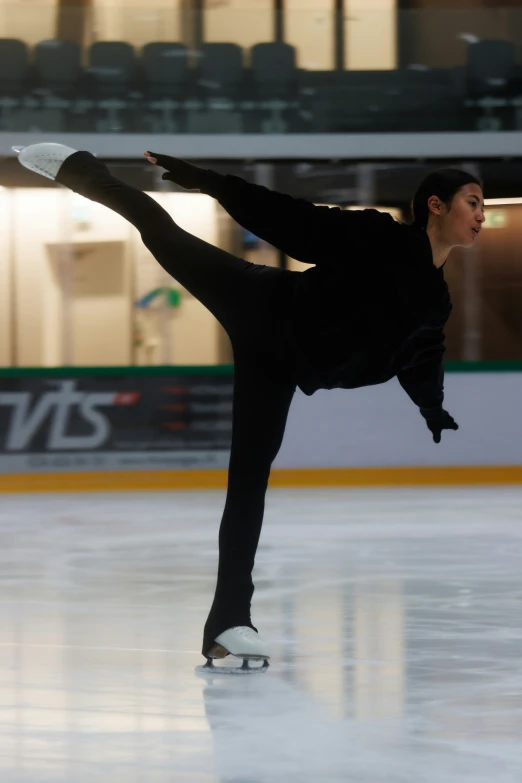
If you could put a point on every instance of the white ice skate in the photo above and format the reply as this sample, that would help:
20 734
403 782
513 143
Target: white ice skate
45 159
242 642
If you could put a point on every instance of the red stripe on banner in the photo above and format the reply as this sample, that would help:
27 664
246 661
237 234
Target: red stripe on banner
174 389
174 407
126 398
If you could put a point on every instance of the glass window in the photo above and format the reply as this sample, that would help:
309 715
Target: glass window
309 26
28 20
176 329
370 30
135 21
438 35
80 288
242 22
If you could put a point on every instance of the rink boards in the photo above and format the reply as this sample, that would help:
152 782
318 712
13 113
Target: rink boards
170 428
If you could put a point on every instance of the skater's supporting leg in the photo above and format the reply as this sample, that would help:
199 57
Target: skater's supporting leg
262 398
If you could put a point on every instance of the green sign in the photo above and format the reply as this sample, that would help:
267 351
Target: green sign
497 219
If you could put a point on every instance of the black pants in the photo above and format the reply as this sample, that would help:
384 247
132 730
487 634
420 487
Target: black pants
250 302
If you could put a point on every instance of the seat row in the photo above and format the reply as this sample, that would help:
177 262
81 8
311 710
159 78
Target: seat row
167 87
112 65
168 77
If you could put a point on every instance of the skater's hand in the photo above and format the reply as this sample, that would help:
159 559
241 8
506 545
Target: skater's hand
437 419
178 171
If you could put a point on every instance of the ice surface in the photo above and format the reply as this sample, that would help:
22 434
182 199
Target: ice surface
395 618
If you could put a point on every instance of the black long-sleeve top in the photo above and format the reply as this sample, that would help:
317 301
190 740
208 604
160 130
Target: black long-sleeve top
373 307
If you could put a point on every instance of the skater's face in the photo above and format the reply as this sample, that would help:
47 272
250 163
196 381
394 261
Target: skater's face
460 223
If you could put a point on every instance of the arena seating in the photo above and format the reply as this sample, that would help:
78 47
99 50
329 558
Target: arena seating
166 88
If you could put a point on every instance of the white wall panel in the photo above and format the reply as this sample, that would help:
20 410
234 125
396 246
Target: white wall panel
379 426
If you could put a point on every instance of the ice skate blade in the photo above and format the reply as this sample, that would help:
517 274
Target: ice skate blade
245 668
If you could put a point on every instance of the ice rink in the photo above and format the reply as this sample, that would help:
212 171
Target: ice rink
395 619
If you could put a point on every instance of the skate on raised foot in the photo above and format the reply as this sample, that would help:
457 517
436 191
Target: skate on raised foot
45 159
242 642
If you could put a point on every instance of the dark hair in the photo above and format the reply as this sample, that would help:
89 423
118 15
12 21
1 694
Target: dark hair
444 183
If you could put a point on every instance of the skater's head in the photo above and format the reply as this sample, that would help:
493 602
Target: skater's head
449 204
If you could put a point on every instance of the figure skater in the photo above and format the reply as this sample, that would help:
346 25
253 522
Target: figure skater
372 308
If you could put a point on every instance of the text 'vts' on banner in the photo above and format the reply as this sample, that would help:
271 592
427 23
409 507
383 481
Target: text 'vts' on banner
120 422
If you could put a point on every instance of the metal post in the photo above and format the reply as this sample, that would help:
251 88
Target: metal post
264 175
339 38
279 21
165 281
366 191
67 272
71 20
13 309
192 23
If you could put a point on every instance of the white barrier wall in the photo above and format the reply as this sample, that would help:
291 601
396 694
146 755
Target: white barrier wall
372 436
379 426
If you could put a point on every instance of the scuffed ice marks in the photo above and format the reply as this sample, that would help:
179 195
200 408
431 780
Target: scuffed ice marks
394 618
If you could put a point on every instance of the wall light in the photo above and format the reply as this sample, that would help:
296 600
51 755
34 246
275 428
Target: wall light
501 202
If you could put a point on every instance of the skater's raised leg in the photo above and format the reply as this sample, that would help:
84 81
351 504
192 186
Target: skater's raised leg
222 282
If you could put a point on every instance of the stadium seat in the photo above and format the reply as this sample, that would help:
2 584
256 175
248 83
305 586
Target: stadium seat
275 83
165 72
14 64
491 80
220 79
58 70
112 69
380 101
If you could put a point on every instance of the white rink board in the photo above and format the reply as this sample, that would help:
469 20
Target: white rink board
380 426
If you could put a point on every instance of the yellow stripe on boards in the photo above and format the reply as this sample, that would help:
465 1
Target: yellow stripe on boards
129 481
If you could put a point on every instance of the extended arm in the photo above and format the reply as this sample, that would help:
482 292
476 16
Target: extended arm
299 228
423 381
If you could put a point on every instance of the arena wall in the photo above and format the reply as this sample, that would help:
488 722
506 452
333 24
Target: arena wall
372 436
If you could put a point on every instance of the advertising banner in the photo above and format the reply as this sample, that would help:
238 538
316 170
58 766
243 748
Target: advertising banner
115 422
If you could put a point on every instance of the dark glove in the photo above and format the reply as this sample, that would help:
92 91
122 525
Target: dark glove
179 171
437 420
